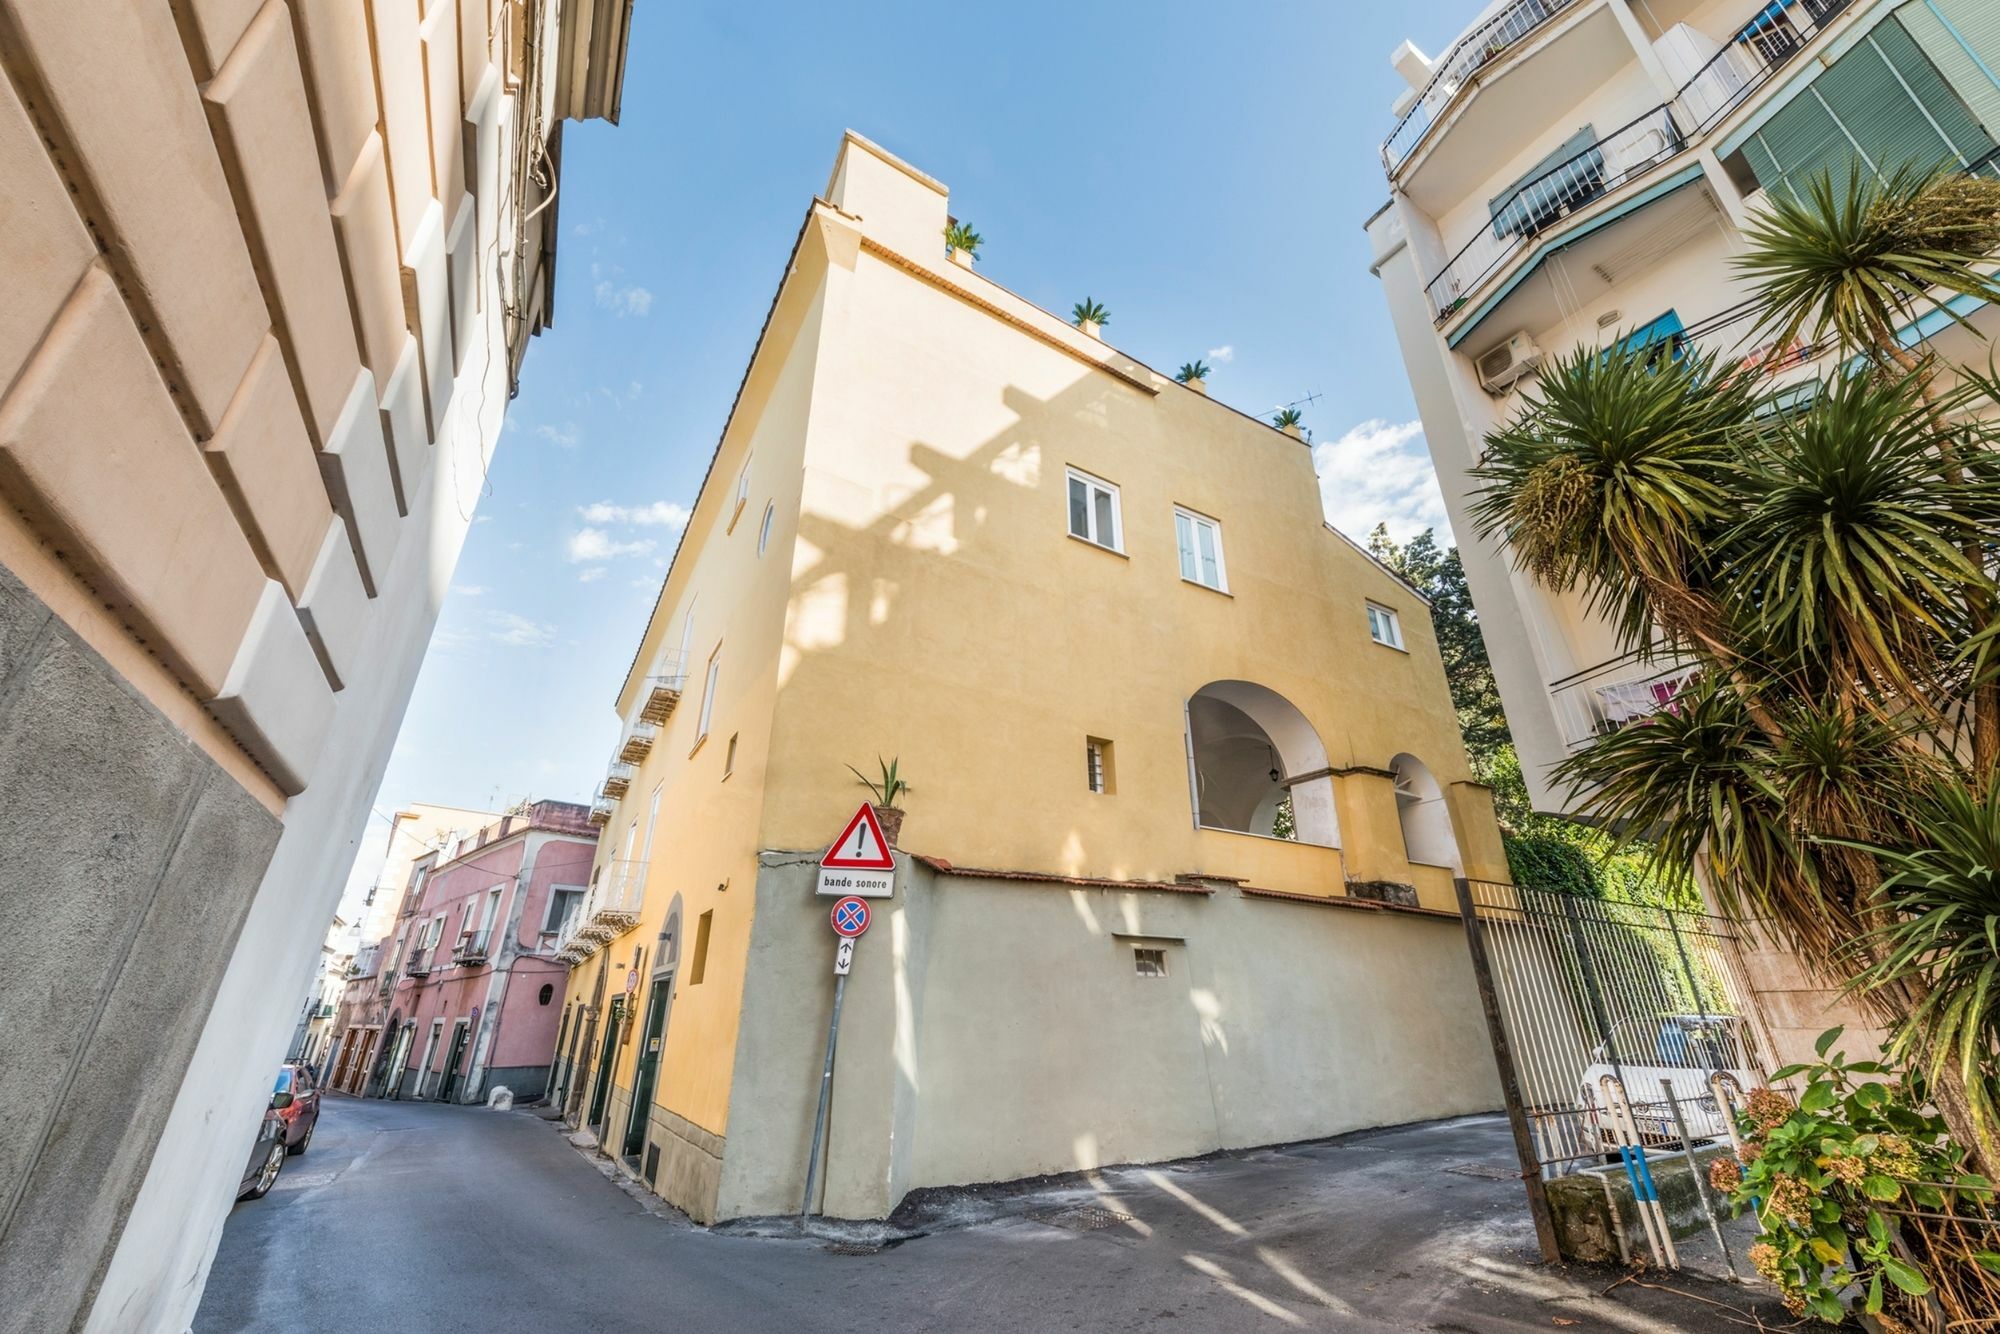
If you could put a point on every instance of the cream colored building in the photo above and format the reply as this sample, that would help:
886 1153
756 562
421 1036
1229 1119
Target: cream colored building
1579 173
271 271
1099 618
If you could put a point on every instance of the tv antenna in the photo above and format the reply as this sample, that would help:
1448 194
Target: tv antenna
1309 399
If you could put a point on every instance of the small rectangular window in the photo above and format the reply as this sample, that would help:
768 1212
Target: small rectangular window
699 963
729 760
1093 511
1200 542
1097 764
1384 626
1148 961
742 497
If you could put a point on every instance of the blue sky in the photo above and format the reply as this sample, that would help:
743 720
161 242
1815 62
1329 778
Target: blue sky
1202 170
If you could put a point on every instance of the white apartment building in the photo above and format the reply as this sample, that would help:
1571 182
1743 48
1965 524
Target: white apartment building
1579 173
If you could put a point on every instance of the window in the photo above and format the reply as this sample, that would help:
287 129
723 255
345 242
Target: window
1149 961
742 496
1384 626
563 901
1201 550
764 529
708 694
699 964
1649 341
547 994
1093 511
1097 764
729 760
687 639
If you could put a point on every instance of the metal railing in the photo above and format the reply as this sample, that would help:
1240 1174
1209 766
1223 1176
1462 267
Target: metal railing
472 948
1623 155
618 781
1746 63
662 690
638 741
1587 997
1466 57
1600 700
418 964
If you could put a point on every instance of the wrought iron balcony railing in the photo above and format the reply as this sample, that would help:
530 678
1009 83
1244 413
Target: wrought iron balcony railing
1602 699
1537 205
1467 56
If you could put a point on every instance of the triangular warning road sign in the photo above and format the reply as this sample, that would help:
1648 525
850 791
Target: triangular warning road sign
860 846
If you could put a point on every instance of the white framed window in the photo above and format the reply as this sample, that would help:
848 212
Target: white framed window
1097 766
1200 541
1384 626
1093 511
764 530
708 692
1149 961
563 901
742 495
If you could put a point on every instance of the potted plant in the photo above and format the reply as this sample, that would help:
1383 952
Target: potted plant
1090 317
1193 374
1287 420
962 242
882 795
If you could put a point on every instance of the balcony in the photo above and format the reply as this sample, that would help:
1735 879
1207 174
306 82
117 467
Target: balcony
600 810
662 692
418 965
387 984
638 742
619 781
1541 204
1749 58
471 948
1602 699
612 909
1457 66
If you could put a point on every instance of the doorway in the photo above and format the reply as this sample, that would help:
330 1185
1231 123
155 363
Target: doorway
602 1090
448 1081
397 1062
430 1051
651 1039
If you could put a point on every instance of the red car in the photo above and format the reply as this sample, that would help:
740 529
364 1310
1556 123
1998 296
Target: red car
296 1101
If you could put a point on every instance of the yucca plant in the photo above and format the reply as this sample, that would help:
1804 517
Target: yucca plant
1191 371
882 791
960 236
1824 562
1286 418
1087 311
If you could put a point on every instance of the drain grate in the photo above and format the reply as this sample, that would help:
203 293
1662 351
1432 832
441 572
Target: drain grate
1485 1171
1081 1218
854 1248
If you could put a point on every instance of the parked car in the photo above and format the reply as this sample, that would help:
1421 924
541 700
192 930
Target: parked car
267 1157
1683 1049
296 1100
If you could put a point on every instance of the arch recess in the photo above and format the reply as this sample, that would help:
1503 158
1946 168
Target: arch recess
1248 749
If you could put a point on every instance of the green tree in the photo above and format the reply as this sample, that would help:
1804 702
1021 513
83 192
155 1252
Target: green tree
1824 559
1439 576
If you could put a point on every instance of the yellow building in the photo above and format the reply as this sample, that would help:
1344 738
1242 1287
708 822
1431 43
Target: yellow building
1100 620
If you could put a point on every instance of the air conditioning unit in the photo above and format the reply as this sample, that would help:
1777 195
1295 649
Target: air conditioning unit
1500 368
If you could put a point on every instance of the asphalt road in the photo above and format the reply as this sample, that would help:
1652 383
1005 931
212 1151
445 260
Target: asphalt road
448 1218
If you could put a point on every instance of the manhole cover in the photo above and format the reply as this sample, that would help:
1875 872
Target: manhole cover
1485 1171
854 1248
1081 1218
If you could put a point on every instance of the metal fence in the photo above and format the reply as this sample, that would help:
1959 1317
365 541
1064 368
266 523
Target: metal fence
1612 1023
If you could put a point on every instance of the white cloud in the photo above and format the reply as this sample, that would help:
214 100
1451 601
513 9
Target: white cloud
588 228
1380 472
625 299
469 590
591 575
517 631
661 514
594 544
1223 355
567 436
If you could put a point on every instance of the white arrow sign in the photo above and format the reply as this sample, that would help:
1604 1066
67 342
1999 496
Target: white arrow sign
843 956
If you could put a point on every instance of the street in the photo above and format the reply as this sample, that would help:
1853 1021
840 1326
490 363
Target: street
462 1218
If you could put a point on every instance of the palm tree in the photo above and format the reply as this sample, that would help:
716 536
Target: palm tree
1087 311
1190 370
1826 566
960 236
1286 418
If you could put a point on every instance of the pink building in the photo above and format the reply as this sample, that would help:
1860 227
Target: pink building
477 989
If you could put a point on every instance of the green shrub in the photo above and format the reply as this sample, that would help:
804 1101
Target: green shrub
1542 861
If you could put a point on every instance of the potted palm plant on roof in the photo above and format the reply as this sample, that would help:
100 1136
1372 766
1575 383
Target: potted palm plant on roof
1090 316
962 242
1193 374
882 795
1287 420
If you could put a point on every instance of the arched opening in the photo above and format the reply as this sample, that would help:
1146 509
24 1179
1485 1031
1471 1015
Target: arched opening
1257 766
1427 836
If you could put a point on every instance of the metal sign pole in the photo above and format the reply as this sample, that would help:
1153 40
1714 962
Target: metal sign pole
825 1096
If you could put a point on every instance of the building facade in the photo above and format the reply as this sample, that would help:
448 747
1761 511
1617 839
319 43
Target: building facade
272 270
1579 173
1187 794
473 985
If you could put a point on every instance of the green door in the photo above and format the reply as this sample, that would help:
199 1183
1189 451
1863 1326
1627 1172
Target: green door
458 1035
604 1060
649 1064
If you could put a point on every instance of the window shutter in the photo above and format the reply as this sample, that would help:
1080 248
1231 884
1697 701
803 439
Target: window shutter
1962 39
